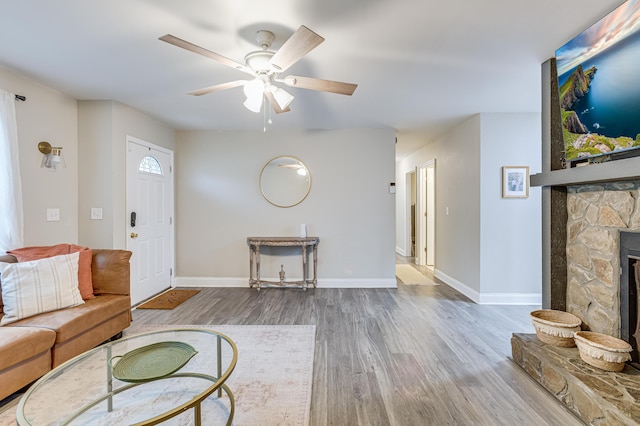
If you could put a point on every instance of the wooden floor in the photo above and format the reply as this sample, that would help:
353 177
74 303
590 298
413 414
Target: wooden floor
415 355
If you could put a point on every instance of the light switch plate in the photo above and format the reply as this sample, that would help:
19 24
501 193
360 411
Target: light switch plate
53 215
96 213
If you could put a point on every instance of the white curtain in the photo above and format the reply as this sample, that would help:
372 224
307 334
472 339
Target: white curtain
11 219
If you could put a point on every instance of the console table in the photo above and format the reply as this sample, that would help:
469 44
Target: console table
304 243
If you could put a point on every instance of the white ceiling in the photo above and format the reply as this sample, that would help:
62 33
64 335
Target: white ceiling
420 64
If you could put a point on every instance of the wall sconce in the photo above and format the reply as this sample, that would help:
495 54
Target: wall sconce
51 156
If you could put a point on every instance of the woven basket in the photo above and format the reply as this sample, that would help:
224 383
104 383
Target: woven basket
555 328
602 351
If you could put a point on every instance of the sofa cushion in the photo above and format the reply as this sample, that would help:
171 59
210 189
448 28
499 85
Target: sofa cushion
20 344
8 259
71 322
111 271
85 284
30 288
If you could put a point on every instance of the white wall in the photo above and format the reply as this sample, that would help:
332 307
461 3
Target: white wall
103 128
482 247
457 168
511 230
217 196
92 137
46 115
219 205
96 186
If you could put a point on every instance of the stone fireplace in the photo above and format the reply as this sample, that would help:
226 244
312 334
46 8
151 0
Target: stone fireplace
602 247
587 214
597 217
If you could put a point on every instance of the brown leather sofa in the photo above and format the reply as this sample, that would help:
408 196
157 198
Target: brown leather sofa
31 347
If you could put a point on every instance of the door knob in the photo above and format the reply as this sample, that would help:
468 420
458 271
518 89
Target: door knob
134 235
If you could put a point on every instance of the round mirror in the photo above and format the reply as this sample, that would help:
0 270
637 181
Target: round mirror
285 181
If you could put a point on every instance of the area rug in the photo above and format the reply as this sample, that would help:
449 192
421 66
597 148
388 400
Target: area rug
271 382
411 276
169 299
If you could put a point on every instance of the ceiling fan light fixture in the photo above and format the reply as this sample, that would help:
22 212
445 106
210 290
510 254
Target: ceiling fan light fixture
254 88
254 103
259 61
282 97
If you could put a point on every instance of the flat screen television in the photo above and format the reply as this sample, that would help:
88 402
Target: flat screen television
599 84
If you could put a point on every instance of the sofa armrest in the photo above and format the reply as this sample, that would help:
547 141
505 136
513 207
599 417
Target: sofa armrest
110 271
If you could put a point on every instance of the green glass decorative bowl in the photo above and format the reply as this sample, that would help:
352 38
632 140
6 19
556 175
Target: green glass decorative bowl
152 362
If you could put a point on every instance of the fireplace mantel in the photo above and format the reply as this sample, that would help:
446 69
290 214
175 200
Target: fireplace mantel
612 171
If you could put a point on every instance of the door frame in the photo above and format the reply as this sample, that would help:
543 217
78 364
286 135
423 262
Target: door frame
425 224
410 192
170 177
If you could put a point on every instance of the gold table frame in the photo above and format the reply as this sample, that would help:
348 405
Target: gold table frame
218 383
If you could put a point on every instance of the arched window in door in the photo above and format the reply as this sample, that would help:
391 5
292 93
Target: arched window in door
150 165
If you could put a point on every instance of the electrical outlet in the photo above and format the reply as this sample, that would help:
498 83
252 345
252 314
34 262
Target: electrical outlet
53 215
96 213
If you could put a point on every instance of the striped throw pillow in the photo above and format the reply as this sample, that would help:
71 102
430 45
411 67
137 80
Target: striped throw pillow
38 286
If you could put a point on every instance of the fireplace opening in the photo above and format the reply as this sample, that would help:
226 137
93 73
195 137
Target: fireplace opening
629 292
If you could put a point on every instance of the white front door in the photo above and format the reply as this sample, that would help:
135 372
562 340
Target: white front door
149 218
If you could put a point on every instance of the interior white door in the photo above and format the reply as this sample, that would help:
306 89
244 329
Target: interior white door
425 220
421 213
431 214
149 218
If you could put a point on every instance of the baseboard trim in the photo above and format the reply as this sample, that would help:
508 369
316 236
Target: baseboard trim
211 282
401 251
358 283
322 283
489 298
510 298
457 285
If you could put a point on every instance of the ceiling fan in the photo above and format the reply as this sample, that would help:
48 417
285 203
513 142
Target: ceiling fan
265 66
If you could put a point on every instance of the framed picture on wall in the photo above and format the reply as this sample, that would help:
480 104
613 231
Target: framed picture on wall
515 182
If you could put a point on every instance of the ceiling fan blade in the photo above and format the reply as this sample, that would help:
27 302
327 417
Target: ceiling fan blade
218 87
274 104
299 44
204 52
338 87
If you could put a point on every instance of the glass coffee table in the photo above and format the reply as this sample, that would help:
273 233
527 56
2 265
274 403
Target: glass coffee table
85 390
